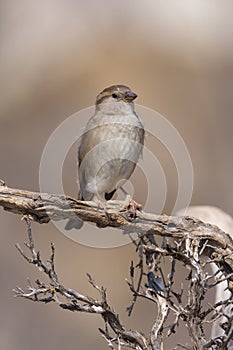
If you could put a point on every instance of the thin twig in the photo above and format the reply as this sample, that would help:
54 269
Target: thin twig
188 241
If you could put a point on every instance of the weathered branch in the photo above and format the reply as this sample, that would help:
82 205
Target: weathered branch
69 299
43 207
186 240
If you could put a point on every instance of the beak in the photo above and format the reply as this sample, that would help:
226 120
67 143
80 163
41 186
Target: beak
129 96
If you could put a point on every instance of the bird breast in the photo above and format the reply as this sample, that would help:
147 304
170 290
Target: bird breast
109 150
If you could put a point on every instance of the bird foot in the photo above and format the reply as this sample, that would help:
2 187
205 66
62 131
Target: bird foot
132 206
101 204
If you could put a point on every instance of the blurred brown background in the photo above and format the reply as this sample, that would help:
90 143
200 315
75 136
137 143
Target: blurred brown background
55 57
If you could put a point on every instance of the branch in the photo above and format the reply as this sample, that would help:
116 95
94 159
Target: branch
186 240
69 299
43 207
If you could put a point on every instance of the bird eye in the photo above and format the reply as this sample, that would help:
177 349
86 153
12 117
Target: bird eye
115 96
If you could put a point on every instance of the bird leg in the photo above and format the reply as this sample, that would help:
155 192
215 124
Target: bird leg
101 204
130 204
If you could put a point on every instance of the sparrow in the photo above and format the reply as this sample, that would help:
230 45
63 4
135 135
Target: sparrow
109 148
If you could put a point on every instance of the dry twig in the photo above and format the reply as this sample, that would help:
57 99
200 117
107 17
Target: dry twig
187 242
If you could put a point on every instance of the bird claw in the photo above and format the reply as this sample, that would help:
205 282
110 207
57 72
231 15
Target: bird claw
132 206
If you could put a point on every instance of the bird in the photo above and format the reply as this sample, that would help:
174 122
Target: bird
109 148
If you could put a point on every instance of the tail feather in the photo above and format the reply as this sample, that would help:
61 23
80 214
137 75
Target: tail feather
74 223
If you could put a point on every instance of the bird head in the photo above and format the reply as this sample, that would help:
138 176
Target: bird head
116 99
